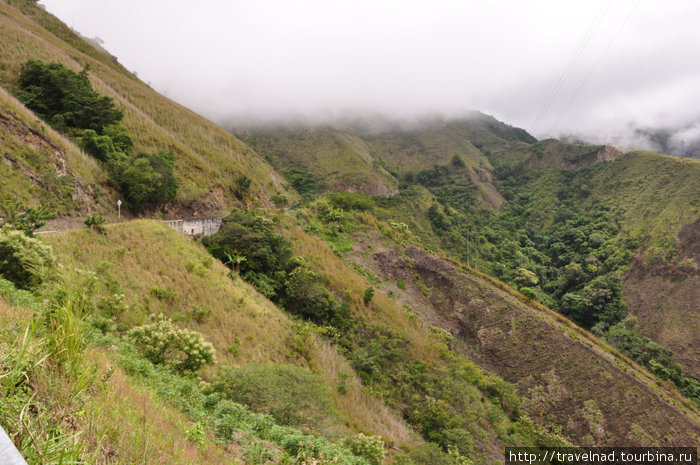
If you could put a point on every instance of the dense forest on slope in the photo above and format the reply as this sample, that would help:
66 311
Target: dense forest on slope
378 293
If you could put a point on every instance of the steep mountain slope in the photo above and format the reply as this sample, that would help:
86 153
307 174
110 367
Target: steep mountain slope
208 159
40 167
567 379
595 395
658 201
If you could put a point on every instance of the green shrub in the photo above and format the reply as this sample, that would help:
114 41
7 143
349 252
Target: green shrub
426 453
163 343
529 293
112 305
369 447
196 433
291 394
100 147
145 179
200 314
306 296
167 294
242 187
401 285
280 200
369 293
95 222
255 453
353 201
457 439
24 260
64 98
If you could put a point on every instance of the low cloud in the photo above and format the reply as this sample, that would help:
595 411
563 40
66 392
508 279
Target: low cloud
632 64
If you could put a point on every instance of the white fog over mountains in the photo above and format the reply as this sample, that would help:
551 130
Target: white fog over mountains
623 72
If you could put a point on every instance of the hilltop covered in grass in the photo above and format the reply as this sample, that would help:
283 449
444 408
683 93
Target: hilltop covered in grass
374 155
208 160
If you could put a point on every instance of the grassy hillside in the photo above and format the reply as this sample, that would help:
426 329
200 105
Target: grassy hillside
580 386
41 167
209 159
159 271
111 405
321 159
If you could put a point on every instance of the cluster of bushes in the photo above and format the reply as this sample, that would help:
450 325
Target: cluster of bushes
292 395
66 100
15 215
249 244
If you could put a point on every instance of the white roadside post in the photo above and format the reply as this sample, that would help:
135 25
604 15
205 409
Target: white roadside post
119 206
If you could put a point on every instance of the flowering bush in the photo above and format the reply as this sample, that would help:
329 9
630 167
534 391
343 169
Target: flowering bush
24 260
369 447
163 343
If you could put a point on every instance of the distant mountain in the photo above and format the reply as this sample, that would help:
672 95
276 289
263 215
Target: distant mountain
482 168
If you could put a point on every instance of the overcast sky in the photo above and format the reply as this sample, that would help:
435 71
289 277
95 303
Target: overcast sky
595 68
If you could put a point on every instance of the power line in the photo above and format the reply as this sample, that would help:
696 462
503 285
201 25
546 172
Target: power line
595 65
574 58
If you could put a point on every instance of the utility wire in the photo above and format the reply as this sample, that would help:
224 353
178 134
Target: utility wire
569 67
593 68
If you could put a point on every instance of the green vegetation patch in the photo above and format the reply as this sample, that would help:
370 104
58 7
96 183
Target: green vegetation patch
291 394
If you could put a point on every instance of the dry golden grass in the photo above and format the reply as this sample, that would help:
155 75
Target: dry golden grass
368 413
143 255
243 326
125 423
10 314
344 281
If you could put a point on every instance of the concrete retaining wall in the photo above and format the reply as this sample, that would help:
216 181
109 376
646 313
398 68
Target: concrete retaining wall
196 227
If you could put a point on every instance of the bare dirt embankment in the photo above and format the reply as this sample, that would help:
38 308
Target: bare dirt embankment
567 379
665 300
